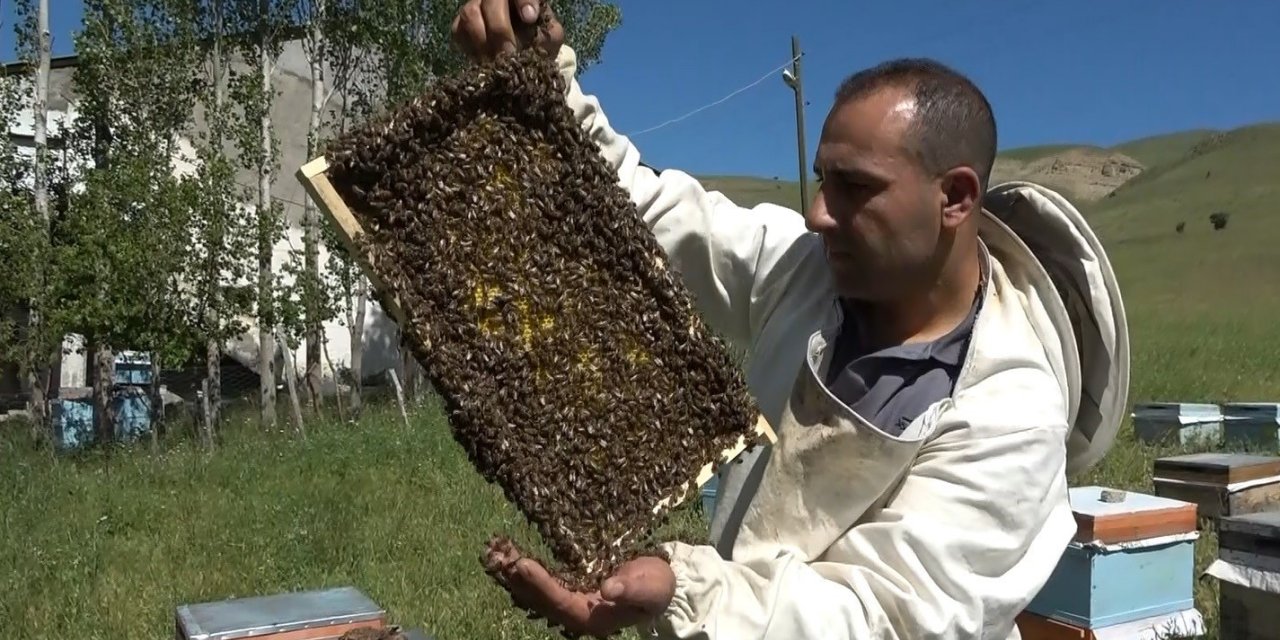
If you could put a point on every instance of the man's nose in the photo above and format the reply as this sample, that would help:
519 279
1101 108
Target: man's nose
819 219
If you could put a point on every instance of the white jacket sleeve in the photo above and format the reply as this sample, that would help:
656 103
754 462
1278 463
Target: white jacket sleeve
972 534
734 260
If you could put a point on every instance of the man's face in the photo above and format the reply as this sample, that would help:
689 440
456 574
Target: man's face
878 212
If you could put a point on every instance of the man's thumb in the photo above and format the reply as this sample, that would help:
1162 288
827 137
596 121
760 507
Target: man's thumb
528 10
613 589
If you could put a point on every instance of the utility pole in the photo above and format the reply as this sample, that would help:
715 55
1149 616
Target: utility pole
796 82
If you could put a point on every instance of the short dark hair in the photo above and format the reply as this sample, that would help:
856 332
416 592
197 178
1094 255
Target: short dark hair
954 124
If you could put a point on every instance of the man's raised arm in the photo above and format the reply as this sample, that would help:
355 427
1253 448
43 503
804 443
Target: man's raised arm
736 261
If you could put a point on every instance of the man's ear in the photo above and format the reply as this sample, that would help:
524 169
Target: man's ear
962 190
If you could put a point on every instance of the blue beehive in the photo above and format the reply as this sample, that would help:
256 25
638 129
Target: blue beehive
133 368
132 408
1178 422
1252 424
1141 562
72 415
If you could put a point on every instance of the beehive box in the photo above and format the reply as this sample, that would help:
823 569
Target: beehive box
1248 570
1130 560
1252 424
133 368
1221 484
1187 623
309 615
131 407
1178 422
574 368
72 414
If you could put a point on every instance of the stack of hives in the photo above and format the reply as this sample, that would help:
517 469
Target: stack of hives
575 370
1248 571
131 397
74 413
1129 572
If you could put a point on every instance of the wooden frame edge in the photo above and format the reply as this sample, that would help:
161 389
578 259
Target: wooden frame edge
313 177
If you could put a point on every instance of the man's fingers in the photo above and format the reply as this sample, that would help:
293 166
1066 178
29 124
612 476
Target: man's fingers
497 22
471 31
528 10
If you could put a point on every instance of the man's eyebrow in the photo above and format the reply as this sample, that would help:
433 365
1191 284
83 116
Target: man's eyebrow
849 171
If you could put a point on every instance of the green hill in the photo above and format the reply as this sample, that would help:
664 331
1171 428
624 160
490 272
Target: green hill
1202 303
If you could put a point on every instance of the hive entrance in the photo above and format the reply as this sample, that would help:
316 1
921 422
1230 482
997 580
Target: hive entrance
575 370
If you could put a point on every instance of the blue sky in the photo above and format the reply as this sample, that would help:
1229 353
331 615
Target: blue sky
1068 71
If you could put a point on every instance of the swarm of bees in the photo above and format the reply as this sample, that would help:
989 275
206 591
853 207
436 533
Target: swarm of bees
576 372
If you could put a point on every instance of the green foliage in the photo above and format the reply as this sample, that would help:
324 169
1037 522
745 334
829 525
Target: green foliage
587 24
22 236
122 242
110 280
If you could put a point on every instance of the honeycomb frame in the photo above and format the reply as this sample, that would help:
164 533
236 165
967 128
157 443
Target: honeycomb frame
515 87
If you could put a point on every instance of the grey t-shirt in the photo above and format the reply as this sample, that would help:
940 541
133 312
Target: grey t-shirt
891 387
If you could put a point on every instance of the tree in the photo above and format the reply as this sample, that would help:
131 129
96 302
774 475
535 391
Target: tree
22 241
222 232
1219 220
31 224
262 27
315 43
119 252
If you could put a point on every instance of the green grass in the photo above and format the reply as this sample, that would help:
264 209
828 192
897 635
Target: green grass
105 546
1157 150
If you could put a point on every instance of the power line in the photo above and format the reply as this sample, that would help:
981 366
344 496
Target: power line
720 101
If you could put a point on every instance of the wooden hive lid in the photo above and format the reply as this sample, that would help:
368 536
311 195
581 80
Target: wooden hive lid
1138 516
1217 468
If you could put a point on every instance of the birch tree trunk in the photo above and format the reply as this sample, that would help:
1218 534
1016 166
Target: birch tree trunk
38 371
266 342
310 222
357 347
213 350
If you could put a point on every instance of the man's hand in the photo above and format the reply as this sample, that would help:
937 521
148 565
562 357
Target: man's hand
485 28
639 591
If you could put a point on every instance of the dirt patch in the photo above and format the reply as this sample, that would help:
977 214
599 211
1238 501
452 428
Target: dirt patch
1081 174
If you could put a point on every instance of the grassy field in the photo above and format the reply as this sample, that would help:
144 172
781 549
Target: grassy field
105 546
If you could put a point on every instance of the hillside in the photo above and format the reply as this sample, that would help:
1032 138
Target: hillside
1199 300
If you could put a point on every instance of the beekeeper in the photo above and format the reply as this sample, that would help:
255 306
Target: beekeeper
937 356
